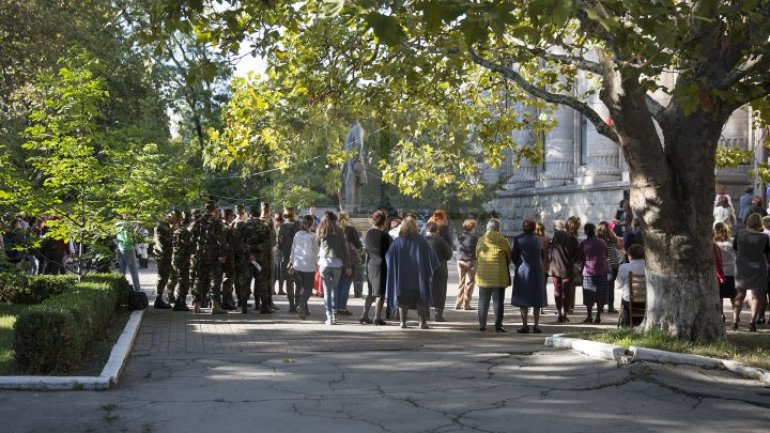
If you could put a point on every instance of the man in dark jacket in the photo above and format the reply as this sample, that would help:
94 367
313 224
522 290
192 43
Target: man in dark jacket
163 249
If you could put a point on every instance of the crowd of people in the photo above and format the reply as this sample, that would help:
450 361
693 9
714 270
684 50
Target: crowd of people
226 257
741 250
28 247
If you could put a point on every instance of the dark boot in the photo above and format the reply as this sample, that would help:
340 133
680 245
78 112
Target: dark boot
440 315
160 304
181 306
265 305
292 300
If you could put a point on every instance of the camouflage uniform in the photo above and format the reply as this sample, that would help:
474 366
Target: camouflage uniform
208 238
182 252
257 242
286 233
163 251
228 267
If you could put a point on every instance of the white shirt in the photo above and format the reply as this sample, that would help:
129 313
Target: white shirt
637 267
304 251
728 257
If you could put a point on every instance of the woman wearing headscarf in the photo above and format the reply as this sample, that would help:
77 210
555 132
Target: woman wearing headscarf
493 254
411 263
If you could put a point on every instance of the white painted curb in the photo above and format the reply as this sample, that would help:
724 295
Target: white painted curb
594 349
748 372
611 352
663 357
107 379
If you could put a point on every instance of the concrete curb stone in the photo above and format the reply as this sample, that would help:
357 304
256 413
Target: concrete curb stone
663 357
594 349
608 351
108 378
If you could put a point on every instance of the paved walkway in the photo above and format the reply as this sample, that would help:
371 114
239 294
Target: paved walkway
236 373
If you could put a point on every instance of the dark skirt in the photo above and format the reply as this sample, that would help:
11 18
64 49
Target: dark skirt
595 290
727 289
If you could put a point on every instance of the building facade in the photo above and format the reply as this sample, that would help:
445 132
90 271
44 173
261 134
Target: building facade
584 173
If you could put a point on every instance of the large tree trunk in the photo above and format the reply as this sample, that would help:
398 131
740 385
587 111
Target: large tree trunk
672 187
673 196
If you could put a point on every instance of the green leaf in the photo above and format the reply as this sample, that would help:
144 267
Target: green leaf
386 27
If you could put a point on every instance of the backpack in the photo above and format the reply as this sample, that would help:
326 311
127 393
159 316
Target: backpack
137 300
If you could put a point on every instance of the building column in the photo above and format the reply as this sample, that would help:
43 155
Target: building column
602 162
559 150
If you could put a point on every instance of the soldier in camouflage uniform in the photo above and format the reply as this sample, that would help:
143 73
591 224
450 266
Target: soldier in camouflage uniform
268 219
195 215
208 236
228 267
257 241
243 216
164 233
286 231
182 251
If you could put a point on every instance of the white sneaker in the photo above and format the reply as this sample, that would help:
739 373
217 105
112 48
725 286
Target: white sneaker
328 322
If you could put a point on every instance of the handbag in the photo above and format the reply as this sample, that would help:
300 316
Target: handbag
137 300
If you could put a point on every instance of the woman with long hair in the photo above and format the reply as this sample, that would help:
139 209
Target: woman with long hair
564 254
442 222
614 254
353 245
724 241
332 261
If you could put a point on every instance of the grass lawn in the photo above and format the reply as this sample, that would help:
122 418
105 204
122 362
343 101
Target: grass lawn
7 319
750 349
92 362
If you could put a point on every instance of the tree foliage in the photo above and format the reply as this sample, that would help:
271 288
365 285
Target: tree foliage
88 172
328 71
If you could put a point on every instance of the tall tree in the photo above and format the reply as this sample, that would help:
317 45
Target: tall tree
328 71
704 59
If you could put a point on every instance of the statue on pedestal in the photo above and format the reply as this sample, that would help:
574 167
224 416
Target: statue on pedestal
354 170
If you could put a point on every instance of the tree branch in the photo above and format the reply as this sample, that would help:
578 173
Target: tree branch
566 59
554 98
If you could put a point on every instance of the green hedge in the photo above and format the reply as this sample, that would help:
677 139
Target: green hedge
21 289
114 279
53 336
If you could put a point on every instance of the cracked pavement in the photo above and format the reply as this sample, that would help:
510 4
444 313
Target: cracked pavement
275 373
